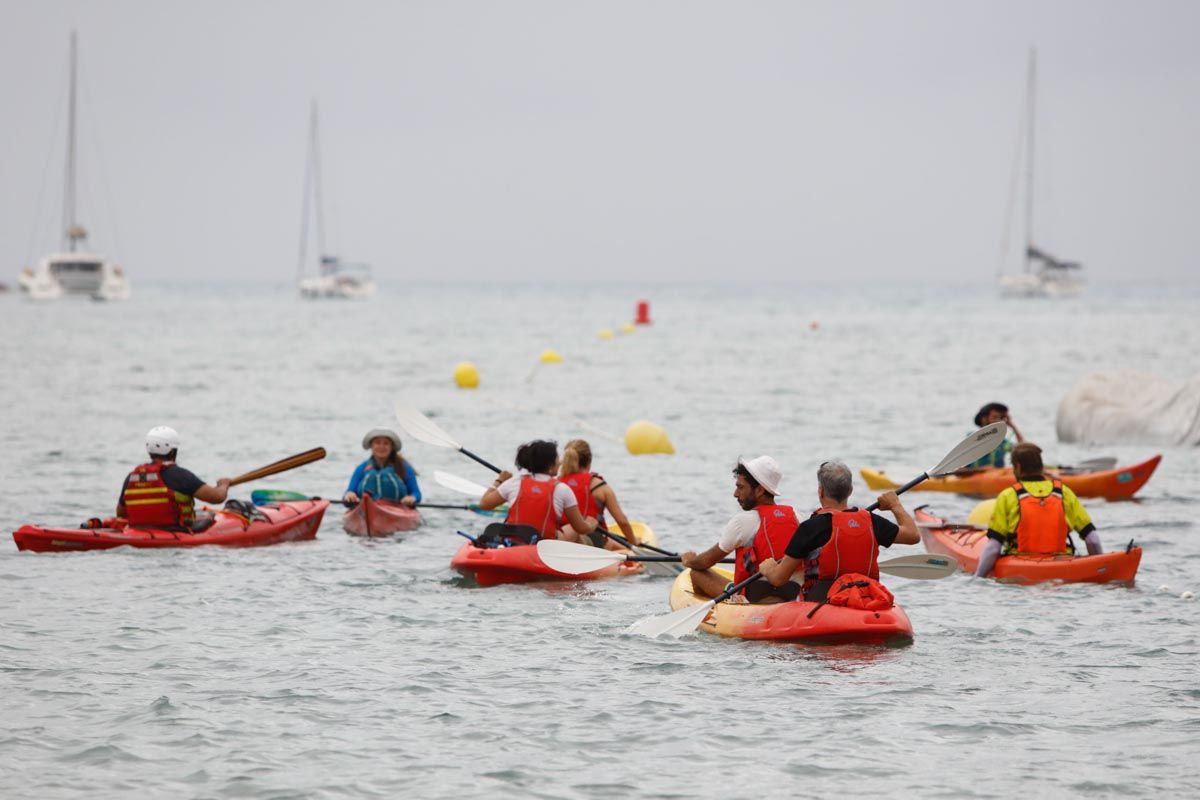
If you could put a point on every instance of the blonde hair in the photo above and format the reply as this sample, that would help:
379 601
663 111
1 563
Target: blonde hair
576 457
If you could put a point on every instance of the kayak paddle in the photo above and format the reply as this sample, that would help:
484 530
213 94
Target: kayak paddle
684 621
577 559
282 465
457 484
262 497
422 427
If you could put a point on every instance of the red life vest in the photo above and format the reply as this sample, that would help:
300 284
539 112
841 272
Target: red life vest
581 484
1042 521
851 546
534 506
776 526
149 502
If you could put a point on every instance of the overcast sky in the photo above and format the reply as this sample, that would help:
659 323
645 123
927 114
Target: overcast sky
620 140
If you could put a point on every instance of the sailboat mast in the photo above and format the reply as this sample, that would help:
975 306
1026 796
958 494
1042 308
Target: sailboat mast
69 225
308 156
1029 153
320 203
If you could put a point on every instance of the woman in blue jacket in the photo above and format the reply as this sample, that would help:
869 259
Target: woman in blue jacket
386 475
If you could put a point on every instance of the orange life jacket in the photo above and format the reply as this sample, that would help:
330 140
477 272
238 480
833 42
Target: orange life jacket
851 546
1042 521
776 526
581 484
534 506
149 502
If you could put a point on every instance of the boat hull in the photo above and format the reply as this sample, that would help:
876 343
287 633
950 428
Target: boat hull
373 517
285 522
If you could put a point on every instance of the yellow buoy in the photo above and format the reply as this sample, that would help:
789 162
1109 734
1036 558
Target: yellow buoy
550 357
645 438
628 328
605 333
465 375
982 514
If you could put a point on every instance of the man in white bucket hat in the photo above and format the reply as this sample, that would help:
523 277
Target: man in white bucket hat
762 530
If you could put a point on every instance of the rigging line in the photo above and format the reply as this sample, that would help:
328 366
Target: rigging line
1031 152
69 208
1014 177
39 209
320 198
105 183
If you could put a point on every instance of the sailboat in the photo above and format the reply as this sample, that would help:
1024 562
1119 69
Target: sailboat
1044 275
74 271
335 278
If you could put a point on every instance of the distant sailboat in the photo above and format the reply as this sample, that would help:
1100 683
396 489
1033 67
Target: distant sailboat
1044 274
335 278
74 271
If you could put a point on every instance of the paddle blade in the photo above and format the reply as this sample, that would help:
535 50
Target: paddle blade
674 625
576 559
971 449
419 426
457 484
928 567
261 497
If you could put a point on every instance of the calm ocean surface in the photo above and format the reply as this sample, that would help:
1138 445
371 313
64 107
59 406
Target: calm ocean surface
349 668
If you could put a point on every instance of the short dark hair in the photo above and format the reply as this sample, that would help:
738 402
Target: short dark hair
537 456
1027 460
987 409
740 469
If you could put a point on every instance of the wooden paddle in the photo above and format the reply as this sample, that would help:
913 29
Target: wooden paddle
283 465
684 621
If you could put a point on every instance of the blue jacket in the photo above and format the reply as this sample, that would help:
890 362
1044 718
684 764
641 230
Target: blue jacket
409 479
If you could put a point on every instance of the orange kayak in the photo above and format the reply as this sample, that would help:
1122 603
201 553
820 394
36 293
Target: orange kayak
373 517
966 545
281 522
790 622
1112 484
492 566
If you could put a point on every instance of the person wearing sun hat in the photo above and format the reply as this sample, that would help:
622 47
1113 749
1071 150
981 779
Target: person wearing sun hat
762 530
386 475
996 412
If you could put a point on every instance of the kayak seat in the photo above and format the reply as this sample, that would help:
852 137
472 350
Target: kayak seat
502 534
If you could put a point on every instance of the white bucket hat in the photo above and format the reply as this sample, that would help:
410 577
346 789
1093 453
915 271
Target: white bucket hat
765 471
376 433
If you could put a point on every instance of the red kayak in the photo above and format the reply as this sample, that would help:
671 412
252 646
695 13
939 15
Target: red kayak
280 522
492 566
966 545
373 517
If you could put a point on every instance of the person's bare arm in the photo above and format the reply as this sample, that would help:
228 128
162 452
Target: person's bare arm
582 525
706 560
890 501
613 507
779 572
214 494
492 497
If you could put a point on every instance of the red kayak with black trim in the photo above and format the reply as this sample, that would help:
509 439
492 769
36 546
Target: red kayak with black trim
795 621
270 524
493 566
965 543
373 517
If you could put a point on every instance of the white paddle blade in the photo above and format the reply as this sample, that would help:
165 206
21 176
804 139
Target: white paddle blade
674 625
457 484
576 559
419 426
971 449
661 569
1101 464
921 567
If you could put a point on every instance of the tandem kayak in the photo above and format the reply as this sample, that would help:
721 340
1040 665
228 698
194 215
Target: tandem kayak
373 517
283 522
966 544
1111 484
493 566
790 622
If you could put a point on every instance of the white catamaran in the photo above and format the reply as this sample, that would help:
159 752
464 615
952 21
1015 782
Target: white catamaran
336 278
74 271
1044 274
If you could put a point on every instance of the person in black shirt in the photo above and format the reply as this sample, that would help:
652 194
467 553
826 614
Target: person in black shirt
838 539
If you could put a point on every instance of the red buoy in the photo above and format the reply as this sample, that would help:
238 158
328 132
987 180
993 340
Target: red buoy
643 313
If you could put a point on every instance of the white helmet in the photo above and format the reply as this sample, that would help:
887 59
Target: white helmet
161 441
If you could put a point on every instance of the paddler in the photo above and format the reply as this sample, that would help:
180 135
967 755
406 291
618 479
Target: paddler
593 494
839 539
1035 514
162 494
761 531
536 498
996 412
385 475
